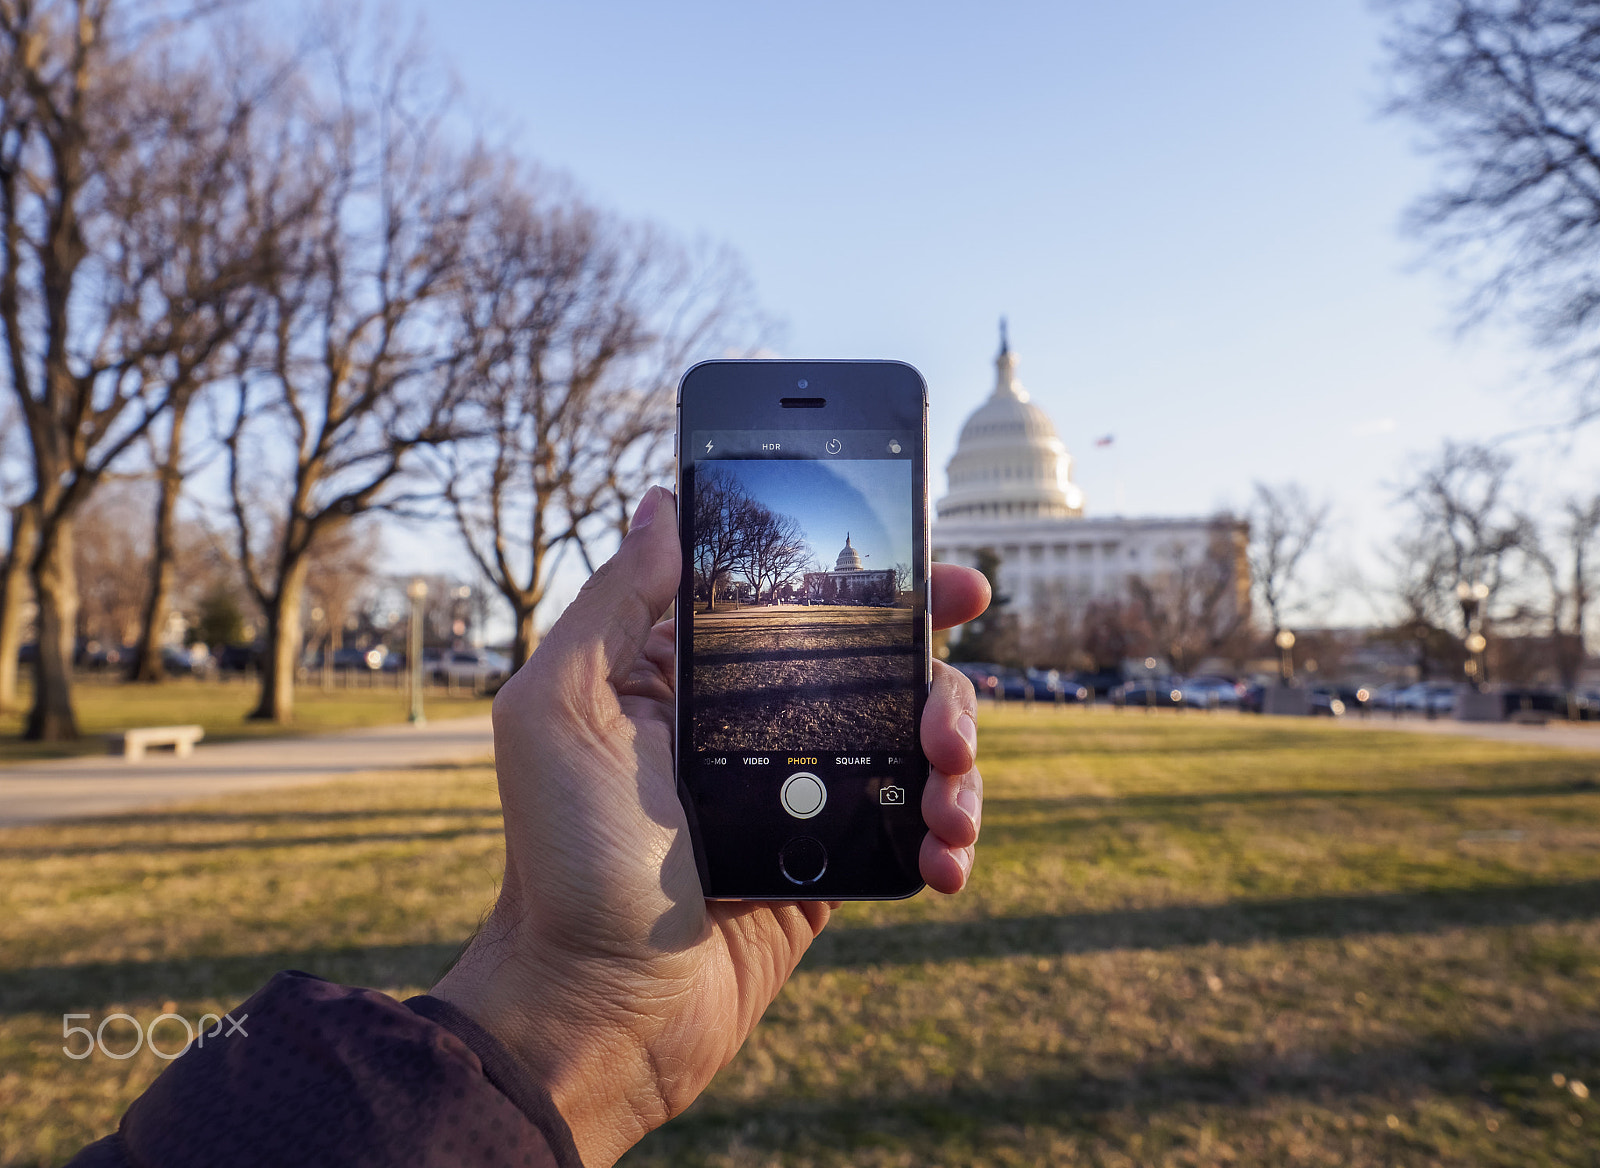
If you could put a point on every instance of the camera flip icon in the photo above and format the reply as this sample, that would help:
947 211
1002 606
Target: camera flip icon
889 793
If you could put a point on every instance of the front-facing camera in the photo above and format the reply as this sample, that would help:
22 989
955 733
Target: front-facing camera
802 383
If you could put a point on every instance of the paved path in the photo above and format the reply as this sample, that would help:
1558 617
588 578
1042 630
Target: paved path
34 792
1583 736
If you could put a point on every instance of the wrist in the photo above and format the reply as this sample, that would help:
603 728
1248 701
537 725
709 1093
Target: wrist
567 1034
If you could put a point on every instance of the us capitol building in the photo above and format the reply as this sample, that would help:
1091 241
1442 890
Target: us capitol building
1011 491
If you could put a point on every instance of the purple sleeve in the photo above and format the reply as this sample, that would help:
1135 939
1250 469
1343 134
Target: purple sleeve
324 1074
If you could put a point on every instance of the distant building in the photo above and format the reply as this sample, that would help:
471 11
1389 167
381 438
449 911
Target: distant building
1011 491
849 582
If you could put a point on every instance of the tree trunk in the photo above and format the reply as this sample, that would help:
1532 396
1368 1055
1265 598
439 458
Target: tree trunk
147 663
526 639
56 588
13 591
283 646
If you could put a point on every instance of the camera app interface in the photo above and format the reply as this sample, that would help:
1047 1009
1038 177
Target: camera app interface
807 662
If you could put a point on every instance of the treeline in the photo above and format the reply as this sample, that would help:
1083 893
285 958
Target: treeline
306 276
1485 582
738 536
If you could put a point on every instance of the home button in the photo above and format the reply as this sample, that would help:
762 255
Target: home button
803 860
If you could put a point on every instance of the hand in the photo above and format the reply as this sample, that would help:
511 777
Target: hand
602 967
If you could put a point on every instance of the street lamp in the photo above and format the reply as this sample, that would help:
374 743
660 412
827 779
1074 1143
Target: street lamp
1472 596
1285 642
418 592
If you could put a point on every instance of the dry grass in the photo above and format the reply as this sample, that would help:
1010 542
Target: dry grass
813 678
1191 941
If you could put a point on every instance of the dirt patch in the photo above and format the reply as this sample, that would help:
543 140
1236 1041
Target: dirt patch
792 677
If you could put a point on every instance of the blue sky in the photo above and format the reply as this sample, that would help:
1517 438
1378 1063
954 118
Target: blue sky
1189 212
866 500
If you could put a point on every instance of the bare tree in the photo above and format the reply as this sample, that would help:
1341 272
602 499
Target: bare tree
1463 524
1110 632
16 478
722 511
110 551
170 472
1510 92
1284 524
121 256
776 551
1570 570
15 591
350 367
576 326
338 581
1194 606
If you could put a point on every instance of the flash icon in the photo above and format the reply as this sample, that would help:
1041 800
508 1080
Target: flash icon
708 447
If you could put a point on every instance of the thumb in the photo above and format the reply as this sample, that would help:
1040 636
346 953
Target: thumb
613 613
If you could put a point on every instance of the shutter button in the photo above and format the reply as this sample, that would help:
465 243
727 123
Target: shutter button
803 795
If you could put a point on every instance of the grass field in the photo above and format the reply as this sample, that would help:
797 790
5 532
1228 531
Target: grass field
804 677
1191 940
104 707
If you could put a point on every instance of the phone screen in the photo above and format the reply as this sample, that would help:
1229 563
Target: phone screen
806 668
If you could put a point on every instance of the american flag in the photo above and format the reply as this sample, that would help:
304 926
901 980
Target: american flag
1106 441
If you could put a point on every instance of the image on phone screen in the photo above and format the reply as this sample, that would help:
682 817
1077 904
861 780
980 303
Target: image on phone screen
805 614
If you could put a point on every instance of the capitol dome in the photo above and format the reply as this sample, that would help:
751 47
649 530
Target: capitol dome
1009 461
849 559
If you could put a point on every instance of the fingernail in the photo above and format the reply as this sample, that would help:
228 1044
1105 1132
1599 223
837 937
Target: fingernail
647 509
968 729
967 800
964 858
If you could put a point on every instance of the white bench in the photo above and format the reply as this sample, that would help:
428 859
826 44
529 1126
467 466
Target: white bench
132 744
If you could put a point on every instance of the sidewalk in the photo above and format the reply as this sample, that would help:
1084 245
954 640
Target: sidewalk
34 792
1562 735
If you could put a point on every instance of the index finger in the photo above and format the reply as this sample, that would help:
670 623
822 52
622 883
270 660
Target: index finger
957 594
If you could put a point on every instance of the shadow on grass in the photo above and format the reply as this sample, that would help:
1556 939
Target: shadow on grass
156 847
265 818
1236 922
57 989
850 652
62 988
1121 737
1159 801
1503 1068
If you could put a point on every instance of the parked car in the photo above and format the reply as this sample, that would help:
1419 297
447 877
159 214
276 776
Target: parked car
1016 686
238 658
985 678
93 655
1428 697
351 658
474 667
1051 685
1154 692
178 662
1383 697
1326 702
1209 692
1588 704
1098 684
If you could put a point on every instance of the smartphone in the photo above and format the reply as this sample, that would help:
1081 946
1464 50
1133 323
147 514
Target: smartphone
802 626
